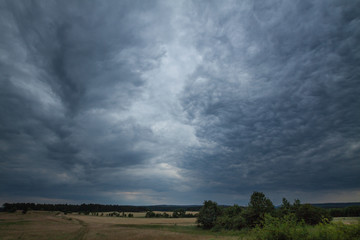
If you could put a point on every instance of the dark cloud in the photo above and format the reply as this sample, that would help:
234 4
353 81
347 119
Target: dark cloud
152 102
62 72
280 106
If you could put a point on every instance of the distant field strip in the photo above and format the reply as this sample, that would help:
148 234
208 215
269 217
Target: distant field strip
135 221
52 226
347 220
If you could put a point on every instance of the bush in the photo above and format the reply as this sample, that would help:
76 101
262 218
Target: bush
288 228
178 213
312 215
231 218
208 214
231 223
150 214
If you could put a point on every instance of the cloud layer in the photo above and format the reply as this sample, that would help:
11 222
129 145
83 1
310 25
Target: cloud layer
137 102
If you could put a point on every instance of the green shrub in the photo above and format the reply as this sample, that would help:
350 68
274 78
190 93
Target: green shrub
231 218
208 214
288 228
178 213
312 215
150 214
231 222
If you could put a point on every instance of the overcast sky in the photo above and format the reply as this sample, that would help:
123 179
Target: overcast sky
177 102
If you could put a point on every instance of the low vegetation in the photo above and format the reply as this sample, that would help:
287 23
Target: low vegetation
262 221
289 228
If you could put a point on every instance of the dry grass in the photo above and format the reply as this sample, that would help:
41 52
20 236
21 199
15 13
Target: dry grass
347 220
135 221
48 225
38 226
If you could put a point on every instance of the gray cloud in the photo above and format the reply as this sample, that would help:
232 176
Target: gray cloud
277 96
153 102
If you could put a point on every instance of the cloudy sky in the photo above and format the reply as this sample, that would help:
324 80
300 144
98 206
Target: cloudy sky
177 102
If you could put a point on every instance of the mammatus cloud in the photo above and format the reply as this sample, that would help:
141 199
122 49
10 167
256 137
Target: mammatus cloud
158 102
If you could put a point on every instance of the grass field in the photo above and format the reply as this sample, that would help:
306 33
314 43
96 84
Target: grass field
347 220
55 226
52 226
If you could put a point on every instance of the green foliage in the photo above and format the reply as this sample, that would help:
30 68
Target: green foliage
351 211
233 211
208 214
178 213
285 208
289 221
259 205
288 228
236 222
312 215
150 214
231 218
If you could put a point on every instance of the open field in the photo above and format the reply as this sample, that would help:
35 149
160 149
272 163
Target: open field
57 226
49 225
347 220
135 220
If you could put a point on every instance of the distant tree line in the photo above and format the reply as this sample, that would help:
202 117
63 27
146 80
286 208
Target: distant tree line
177 213
68 208
351 211
87 208
261 208
171 208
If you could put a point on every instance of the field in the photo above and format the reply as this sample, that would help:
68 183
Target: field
51 225
57 226
347 220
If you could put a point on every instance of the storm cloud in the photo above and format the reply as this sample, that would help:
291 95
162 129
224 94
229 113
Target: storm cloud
153 102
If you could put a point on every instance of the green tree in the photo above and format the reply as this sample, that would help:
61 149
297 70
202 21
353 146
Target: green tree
259 205
295 207
208 214
178 213
150 214
312 215
285 208
231 218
